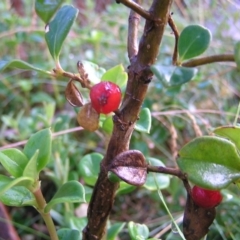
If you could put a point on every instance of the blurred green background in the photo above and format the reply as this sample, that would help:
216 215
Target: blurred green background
30 101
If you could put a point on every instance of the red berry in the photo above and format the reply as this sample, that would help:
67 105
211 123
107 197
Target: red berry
206 198
105 97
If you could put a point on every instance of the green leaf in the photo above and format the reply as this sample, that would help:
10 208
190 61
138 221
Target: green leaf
230 132
6 183
237 53
93 70
114 230
163 180
125 188
58 29
15 63
89 167
145 121
17 196
107 125
210 162
45 9
193 41
68 234
70 192
31 170
14 161
42 141
173 76
138 231
116 75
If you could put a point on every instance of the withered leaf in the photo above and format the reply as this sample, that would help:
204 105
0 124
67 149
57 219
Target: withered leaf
72 94
131 167
196 220
88 118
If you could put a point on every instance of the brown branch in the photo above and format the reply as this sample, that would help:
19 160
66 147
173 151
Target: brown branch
136 8
176 34
139 75
166 170
133 22
210 59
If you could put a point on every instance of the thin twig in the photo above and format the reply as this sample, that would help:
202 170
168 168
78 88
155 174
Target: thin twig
17 144
176 34
136 8
133 22
210 59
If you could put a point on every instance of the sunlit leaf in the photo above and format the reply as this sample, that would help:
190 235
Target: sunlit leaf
107 125
193 41
138 231
145 121
14 161
173 76
42 141
68 234
89 167
58 29
116 75
71 191
210 162
230 132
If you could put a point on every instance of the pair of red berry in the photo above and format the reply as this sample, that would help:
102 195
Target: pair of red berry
105 97
206 198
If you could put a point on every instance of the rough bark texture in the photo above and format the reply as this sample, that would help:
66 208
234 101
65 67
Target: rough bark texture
139 75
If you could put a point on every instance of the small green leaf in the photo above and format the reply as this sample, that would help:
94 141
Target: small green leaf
14 161
15 63
58 29
210 162
89 167
138 231
93 70
163 180
193 41
107 125
116 75
173 76
7 183
145 121
45 9
68 234
31 168
17 196
71 191
114 230
42 141
237 53
125 188
230 132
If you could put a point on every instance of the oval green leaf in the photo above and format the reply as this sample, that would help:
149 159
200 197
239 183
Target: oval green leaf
210 162
45 9
107 125
71 192
145 121
193 41
31 170
173 76
58 29
42 141
68 234
163 180
230 132
116 75
114 230
14 161
89 167
17 196
138 231
19 64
